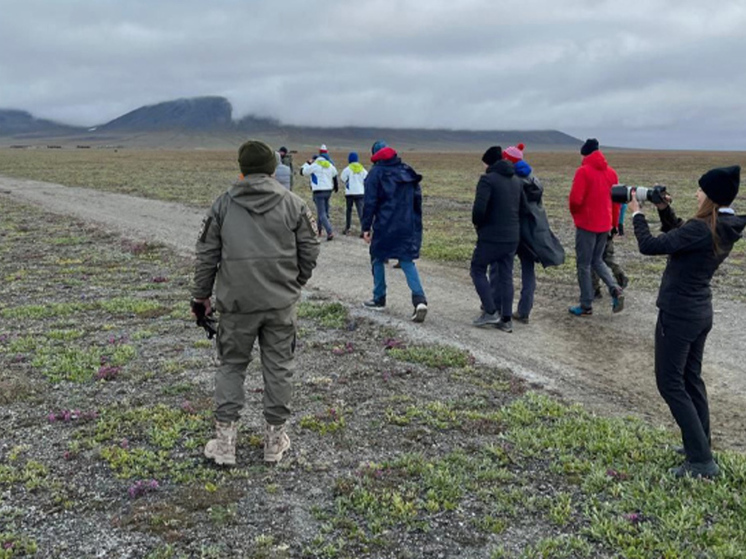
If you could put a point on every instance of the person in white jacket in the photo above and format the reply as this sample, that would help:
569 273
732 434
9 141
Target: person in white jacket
353 177
323 181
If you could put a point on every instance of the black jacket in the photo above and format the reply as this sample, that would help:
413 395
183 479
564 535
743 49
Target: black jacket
537 240
685 287
498 205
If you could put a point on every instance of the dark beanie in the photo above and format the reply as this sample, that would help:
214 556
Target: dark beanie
353 157
256 157
283 150
492 155
721 184
378 146
590 145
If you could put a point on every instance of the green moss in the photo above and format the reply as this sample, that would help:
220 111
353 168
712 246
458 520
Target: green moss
435 356
331 315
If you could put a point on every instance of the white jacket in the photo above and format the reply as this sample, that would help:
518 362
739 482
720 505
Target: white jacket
322 174
353 177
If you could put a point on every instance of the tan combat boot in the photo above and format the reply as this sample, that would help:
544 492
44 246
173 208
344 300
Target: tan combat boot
276 442
222 449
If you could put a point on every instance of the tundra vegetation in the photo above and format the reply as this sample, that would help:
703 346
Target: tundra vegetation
399 449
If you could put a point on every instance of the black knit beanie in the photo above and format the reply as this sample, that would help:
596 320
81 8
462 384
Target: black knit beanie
721 184
256 157
492 155
590 145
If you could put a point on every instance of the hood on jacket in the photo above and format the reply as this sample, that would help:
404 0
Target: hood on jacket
730 227
596 160
257 193
502 167
522 169
383 154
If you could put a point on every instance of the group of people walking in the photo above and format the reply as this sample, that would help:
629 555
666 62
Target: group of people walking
259 244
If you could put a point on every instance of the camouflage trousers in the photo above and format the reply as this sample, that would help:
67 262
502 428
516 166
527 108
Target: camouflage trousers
275 332
610 261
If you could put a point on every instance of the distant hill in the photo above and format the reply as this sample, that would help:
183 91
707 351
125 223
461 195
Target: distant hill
207 122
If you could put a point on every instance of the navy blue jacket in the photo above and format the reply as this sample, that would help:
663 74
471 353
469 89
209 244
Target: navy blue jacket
392 209
685 286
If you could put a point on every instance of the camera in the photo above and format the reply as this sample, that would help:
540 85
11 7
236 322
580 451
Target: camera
621 194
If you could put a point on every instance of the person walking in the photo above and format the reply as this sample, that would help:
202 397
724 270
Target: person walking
283 173
695 249
593 214
537 242
609 257
353 177
495 214
257 247
323 176
392 224
287 159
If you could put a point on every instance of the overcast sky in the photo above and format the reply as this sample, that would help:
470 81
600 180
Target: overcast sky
651 73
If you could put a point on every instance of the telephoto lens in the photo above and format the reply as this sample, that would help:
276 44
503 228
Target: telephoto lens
621 193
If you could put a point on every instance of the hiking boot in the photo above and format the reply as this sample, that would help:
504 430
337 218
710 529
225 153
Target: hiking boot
505 325
276 442
598 294
420 312
696 469
330 237
346 232
222 449
617 301
375 305
520 318
623 281
580 310
486 319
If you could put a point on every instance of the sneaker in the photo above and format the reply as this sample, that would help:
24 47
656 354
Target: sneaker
580 310
617 301
696 469
420 312
397 265
346 232
598 294
276 442
222 449
330 237
375 305
520 318
505 325
486 319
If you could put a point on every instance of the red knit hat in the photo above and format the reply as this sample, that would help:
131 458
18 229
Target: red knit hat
323 149
514 153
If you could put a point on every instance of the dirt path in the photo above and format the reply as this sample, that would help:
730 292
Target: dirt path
604 361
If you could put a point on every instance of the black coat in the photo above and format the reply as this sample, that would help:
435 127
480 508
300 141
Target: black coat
685 287
537 240
498 204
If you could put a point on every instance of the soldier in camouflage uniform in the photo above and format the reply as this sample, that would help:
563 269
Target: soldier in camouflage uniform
287 159
258 247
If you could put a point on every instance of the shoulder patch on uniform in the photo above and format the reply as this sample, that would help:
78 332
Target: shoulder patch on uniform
205 227
311 220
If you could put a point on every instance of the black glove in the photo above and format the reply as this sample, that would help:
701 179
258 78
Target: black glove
206 321
620 228
336 185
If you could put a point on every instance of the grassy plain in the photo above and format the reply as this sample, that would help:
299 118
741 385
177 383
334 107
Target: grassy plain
400 450
196 177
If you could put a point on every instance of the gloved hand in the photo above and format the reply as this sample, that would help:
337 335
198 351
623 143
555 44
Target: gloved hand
620 228
202 311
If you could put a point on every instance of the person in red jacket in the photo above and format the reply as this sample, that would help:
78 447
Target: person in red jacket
594 215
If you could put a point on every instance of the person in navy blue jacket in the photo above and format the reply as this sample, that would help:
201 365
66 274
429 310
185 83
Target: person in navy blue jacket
695 250
392 224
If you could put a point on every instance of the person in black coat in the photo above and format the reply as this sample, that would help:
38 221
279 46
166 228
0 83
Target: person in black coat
496 216
696 248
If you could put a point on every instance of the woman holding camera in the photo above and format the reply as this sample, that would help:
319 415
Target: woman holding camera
696 248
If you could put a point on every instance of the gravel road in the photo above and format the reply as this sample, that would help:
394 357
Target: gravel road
604 361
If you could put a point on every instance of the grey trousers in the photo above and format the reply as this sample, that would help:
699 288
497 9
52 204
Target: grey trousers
589 252
236 336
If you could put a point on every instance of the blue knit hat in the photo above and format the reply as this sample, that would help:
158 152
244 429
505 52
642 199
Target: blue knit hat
378 146
353 158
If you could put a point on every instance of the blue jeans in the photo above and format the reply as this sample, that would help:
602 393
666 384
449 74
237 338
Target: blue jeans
495 293
410 272
321 199
528 284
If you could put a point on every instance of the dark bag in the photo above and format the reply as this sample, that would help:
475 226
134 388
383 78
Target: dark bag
537 238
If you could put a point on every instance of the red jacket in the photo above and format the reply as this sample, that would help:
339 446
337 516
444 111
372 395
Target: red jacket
590 196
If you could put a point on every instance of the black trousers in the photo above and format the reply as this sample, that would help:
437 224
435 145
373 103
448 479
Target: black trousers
495 292
679 347
358 201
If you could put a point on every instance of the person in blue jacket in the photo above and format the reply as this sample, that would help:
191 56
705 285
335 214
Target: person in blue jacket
695 250
392 224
